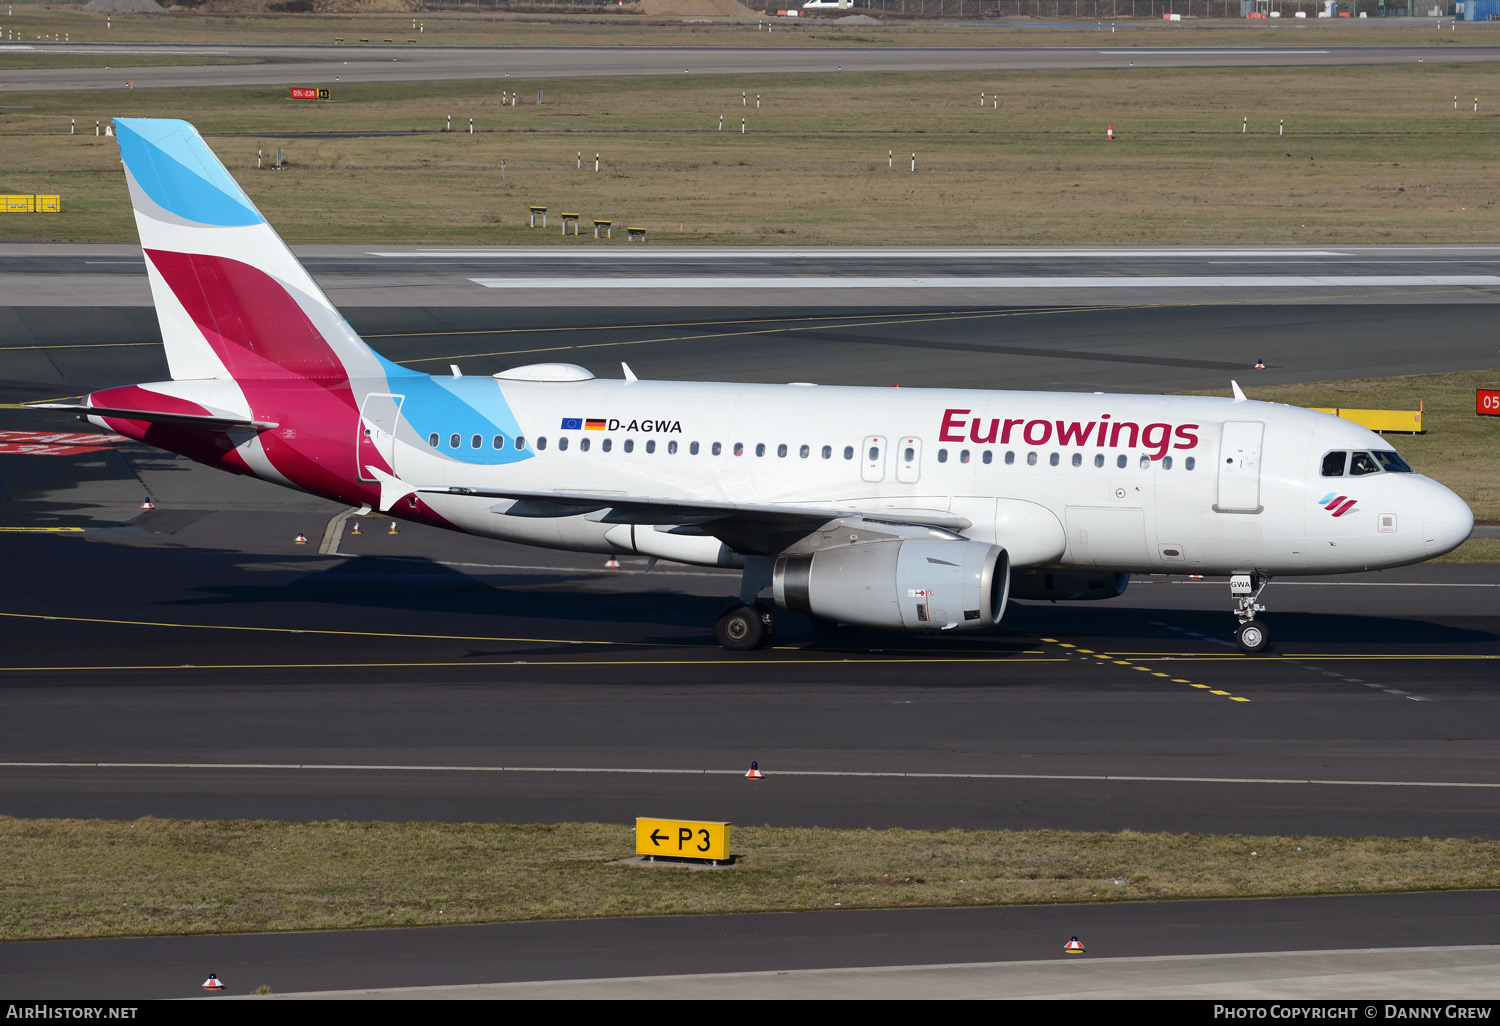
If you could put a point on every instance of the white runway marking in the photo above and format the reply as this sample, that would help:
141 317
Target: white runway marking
1271 281
612 770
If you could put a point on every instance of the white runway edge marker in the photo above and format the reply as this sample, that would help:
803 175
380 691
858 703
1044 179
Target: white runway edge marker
616 770
1267 281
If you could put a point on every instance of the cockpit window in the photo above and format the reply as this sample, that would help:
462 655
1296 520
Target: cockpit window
1362 463
1392 462
1333 464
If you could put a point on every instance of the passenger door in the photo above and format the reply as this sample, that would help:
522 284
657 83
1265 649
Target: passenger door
1239 467
376 442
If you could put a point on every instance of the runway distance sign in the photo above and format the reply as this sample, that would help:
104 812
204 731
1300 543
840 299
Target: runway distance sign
1487 402
682 839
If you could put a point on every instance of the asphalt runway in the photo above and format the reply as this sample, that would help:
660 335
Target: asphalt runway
403 62
192 661
1176 938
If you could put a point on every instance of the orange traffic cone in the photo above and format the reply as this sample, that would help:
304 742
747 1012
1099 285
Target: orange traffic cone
213 983
1074 947
301 539
1109 133
755 773
1260 365
393 528
148 504
612 563
355 528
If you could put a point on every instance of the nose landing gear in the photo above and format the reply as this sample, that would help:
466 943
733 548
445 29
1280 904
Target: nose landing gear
1251 635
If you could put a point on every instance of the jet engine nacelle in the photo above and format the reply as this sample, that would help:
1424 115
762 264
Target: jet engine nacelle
907 584
1067 585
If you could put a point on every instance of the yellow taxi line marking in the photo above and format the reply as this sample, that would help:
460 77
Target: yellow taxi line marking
1197 685
1179 680
1145 669
1233 698
1064 644
1167 675
1216 692
39 530
493 663
1086 651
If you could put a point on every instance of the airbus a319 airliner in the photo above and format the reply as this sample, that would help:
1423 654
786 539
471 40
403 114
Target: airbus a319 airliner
908 509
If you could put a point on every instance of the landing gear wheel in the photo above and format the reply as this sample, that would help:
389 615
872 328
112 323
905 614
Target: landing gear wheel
1252 637
741 628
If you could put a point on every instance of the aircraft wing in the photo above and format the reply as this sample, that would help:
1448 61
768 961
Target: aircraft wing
227 421
615 508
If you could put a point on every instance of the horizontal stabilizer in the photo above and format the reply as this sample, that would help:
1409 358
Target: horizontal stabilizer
225 422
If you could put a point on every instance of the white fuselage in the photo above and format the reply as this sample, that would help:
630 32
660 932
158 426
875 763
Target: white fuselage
1115 482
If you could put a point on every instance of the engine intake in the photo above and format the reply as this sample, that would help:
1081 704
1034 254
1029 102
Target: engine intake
910 585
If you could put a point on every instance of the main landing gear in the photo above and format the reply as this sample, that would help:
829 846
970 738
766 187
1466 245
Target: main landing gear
744 626
1251 635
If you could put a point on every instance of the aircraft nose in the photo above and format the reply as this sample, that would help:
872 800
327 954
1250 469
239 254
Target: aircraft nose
1446 522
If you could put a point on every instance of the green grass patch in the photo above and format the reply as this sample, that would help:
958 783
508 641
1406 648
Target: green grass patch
99 878
1475 550
124 62
1371 155
1459 448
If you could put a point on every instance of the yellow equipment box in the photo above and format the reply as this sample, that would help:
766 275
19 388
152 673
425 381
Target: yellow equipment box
49 204
1381 420
17 204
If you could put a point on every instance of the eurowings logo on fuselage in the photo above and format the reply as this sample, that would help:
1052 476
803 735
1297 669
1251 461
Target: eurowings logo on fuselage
1337 504
957 426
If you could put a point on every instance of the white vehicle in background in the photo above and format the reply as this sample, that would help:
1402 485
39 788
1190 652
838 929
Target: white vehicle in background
828 5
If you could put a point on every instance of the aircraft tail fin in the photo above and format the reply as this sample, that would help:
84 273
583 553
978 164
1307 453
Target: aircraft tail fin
232 300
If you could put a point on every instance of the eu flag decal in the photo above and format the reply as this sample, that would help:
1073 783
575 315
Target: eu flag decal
572 424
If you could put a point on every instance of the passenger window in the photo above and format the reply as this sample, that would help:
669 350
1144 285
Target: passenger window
693 449
989 457
848 452
1077 459
942 455
828 452
739 448
432 439
1189 463
805 451
1166 463
963 457
607 444
718 449
1145 462
1031 459
671 448
874 453
453 441
541 443
1120 461
476 442
1010 457
760 448
1392 462
562 444
650 445
521 443
1333 464
499 442
781 450
630 445
1099 459
908 455
583 444
1052 460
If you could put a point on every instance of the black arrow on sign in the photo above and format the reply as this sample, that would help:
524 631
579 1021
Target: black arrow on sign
657 840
